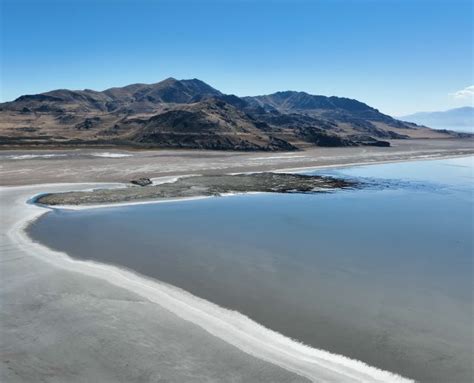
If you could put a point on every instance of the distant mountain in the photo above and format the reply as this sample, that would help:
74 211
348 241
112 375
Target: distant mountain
192 114
458 117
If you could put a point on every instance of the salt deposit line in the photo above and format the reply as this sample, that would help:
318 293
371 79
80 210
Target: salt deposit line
230 326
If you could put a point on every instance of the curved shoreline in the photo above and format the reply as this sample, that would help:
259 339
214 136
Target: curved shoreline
230 326
172 179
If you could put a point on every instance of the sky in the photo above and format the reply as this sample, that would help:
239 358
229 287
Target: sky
399 56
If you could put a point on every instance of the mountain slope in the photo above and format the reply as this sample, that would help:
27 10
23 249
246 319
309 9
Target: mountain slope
356 115
191 114
209 124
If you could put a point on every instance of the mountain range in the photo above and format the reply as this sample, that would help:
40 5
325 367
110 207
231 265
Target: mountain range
192 114
458 117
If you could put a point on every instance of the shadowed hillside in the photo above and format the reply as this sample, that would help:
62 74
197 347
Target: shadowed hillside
191 114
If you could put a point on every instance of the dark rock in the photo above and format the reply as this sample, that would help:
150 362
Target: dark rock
376 143
397 136
141 181
28 129
88 123
319 137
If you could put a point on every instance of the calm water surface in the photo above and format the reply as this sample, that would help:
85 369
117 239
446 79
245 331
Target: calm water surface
383 274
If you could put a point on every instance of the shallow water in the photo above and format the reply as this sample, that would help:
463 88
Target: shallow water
383 274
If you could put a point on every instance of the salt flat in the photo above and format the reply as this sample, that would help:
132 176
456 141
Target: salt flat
91 165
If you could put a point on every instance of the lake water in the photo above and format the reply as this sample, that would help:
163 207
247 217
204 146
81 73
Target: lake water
383 274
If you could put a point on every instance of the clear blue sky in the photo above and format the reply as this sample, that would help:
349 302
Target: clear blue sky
400 56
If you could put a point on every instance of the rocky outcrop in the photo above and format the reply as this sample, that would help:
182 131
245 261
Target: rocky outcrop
141 181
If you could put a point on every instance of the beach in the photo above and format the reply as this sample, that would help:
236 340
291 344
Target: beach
59 314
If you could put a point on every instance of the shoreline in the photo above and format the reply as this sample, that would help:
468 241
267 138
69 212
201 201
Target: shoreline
239 331
433 157
79 166
199 186
172 179
230 326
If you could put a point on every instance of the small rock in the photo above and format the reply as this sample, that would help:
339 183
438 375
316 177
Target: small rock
141 181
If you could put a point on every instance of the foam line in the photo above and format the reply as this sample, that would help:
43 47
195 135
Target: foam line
33 156
230 326
110 155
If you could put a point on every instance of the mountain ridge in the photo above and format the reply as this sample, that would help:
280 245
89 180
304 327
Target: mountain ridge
462 116
192 114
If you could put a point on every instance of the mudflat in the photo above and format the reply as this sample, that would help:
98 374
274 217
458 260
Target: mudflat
95 165
200 186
